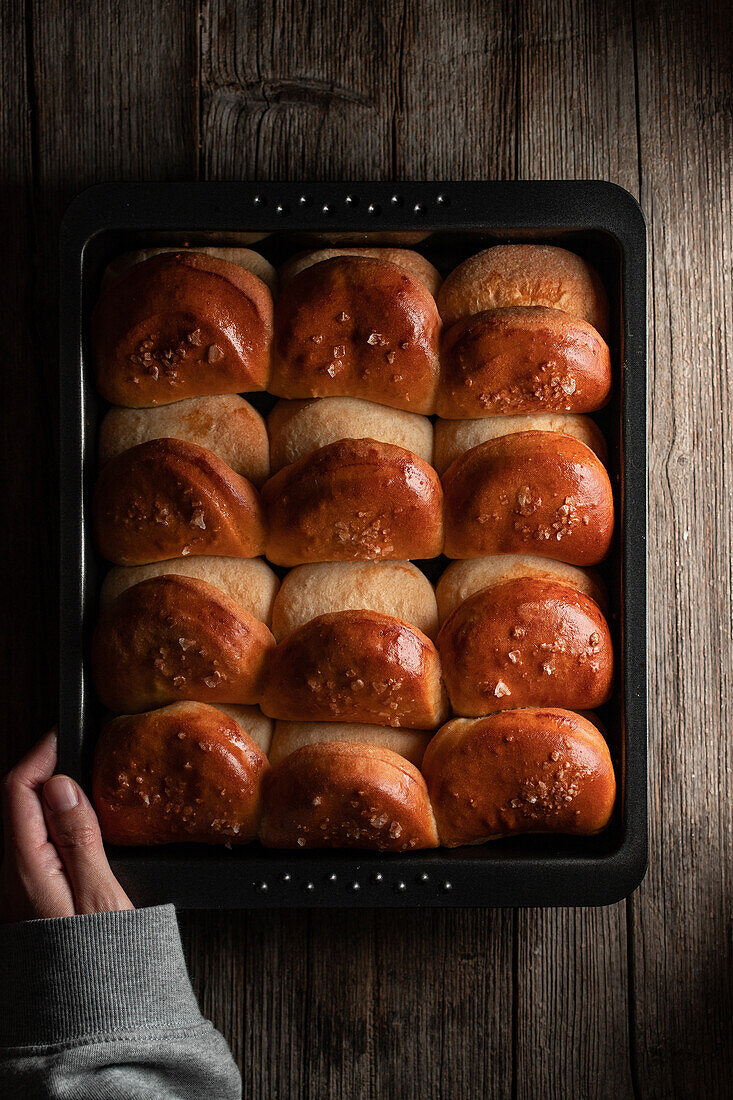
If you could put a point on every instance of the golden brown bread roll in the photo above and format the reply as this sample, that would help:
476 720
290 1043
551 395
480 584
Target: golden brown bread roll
526 642
454 437
254 723
248 581
225 424
354 500
187 772
356 666
172 638
356 327
396 588
178 325
243 257
534 492
463 579
522 359
405 258
167 499
336 795
525 275
297 428
538 770
290 736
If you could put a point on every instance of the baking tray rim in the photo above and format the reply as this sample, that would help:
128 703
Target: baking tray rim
442 877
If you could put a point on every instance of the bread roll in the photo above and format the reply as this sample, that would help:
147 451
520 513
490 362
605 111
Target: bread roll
534 492
355 327
526 642
187 772
181 325
356 666
354 500
463 579
454 437
242 257
290 736
297 428
248 581
519 771
336 795
395 588
254 723
410 261
525 275
522 359
226 425
172 638
167 498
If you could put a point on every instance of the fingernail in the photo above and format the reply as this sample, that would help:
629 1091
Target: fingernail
60 794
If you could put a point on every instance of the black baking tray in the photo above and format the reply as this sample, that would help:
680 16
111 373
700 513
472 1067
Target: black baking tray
600 221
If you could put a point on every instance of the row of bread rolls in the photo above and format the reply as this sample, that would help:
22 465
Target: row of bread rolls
538 486
354 641
191 772
514 329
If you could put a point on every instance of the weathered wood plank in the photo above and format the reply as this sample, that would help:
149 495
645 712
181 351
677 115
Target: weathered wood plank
681 917
294 90
27 667
577 119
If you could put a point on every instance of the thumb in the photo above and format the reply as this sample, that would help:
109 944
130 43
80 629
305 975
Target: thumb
74 830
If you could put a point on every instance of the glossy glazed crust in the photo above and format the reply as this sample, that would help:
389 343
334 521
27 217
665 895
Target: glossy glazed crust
354 500
356 666
526 642
525 275
538 770
172 638
354 327
224 424
168 499
529 493
405 258
522 359
338 795
396 588
187 772
181 325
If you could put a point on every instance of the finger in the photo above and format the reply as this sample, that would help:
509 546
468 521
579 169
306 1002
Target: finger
35 884
74 830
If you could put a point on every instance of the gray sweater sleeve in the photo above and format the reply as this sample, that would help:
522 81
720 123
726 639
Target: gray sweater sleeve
100 1008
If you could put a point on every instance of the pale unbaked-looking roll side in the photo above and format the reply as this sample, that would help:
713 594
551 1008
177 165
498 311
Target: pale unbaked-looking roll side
224 424
297 428
462 579
248 581
525 275
242 257
290 736
405 258
254 723
396 588
454 437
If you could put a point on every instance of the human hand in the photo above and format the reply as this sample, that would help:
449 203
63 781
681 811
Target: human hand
54 863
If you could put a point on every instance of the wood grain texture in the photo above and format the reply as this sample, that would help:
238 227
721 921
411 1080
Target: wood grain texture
630 1000
683 914
572 982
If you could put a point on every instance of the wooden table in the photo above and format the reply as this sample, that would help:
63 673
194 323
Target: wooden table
630 1000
